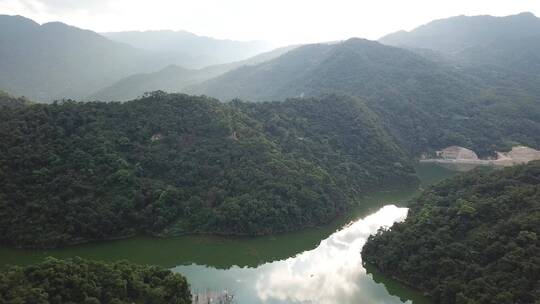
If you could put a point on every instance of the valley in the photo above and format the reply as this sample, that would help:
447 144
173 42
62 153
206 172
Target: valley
266 269
161 166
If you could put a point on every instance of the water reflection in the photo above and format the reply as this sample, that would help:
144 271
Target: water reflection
330 273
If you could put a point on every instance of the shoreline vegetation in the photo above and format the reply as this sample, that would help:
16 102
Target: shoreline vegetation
473 237
76 280
175 234
173 162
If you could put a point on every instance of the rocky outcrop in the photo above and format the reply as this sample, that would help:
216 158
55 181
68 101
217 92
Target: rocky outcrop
518 155
457 152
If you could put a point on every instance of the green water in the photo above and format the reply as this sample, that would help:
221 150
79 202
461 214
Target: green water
319 265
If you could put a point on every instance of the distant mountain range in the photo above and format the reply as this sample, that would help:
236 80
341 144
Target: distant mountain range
507 45
55 60
511 42
175 78
189 50
470 81
425 104
455 34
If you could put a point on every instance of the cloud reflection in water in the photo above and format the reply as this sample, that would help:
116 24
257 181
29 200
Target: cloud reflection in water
330 273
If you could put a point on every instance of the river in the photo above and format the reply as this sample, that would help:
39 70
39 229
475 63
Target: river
320 265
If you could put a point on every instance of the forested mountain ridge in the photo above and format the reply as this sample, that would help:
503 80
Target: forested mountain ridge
424 105
169 164
81 281
315 129
456 34
469 239
511 42
355 66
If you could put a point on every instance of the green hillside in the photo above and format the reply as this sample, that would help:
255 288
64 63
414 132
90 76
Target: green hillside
455 34
169 164
423 104
470 239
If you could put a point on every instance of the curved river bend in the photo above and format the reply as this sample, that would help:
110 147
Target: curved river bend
320 265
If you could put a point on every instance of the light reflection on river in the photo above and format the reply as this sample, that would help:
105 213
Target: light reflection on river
330 273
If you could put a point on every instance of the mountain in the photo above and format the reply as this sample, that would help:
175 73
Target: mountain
54 60
174 164
175 78
423 104
455 34
189 50
470 239
511 43
521 55
355 66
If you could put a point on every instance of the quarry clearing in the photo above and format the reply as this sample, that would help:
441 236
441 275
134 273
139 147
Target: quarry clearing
463 159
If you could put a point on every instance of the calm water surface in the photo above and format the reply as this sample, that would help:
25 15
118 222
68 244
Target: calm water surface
320 265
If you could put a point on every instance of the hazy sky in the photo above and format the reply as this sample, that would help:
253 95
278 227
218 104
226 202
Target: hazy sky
278 21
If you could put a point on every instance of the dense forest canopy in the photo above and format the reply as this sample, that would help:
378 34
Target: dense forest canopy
470 239
76 280
169 164
314 129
